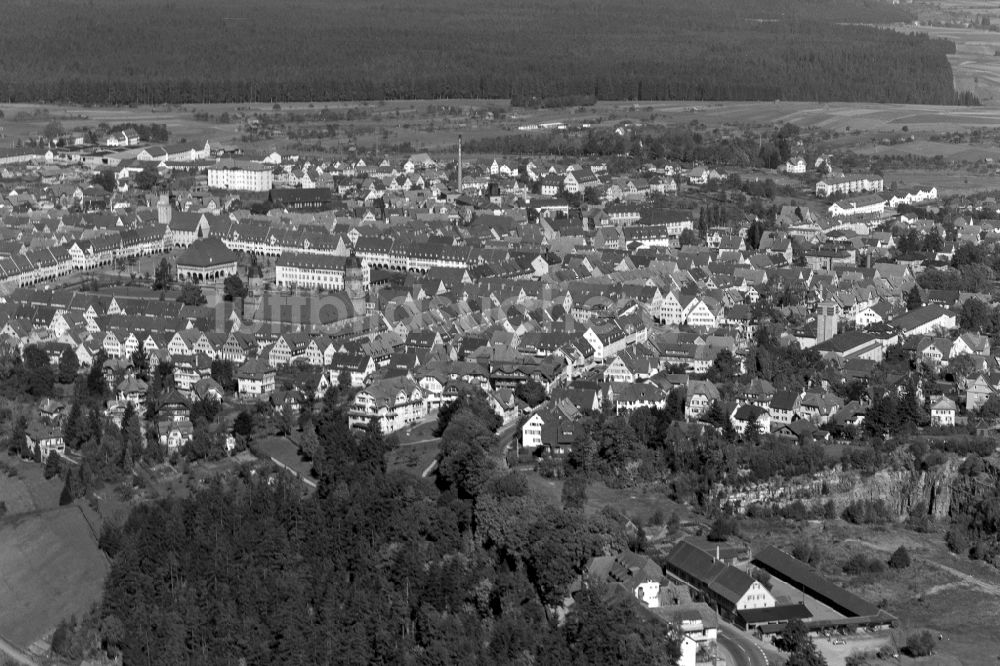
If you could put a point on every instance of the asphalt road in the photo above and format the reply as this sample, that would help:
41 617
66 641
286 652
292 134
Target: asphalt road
745 652
14 654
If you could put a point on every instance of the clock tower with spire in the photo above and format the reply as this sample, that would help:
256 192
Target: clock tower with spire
354 283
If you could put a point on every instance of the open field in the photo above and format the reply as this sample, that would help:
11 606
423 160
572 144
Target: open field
285 452
15 495
51 569
414 122
949 151
975 64
946 594
837 116
29 490
413 458
967 620
947 182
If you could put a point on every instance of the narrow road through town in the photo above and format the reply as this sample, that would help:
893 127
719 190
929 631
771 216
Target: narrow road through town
743 649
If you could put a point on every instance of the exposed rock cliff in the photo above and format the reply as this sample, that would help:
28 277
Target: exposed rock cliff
903 490
941 491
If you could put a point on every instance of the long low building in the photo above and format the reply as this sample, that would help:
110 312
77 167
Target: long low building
803 577
309 270
727 588
925 321
851 344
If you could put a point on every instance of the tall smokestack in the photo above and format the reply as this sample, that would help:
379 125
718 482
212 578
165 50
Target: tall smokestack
459 163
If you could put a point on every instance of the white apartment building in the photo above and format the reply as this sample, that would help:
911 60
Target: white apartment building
245 176
394 402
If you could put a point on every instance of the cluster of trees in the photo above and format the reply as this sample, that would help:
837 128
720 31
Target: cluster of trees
892 412
796 511
371 568
717 49
685 143
107 452
912 241
795 640
152 132
860 564
191 294
656 445
975 530
149 133
783 365
469 449
973 268
979 317
27 374
163 275
868 512
969 277
224 372
553 102
920 644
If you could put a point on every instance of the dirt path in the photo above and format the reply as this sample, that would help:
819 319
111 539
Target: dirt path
968 579
15 654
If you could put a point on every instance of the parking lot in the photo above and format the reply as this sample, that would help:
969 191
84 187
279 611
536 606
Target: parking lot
785 593
853 643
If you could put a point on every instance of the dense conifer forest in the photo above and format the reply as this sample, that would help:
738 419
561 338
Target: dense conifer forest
374 567
182 51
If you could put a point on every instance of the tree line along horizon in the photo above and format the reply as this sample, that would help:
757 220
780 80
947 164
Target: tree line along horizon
529 53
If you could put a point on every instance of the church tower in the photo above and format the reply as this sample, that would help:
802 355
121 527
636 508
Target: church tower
354 283
826 321
460 164
163 209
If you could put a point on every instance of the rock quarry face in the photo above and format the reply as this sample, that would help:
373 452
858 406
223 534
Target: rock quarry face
942 491
903 490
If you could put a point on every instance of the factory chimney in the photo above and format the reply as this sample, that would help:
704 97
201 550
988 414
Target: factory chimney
459 163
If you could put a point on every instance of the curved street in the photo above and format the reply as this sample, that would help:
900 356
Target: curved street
744 651
14 654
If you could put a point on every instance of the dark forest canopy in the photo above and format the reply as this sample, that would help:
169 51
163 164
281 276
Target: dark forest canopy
373 568
159 51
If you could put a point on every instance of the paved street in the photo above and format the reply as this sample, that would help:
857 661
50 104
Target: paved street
744 650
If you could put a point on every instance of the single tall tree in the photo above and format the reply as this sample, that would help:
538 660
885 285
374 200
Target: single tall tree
97 387
233 288
53 465
70 488
69 366
191 294
162 278
17 442
531 392
900 558
243 426
140 364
